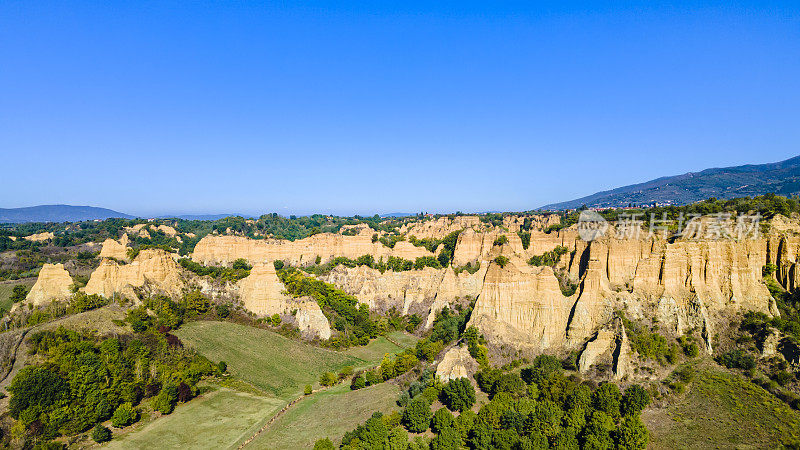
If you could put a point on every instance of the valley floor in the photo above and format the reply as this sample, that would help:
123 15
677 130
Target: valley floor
267 372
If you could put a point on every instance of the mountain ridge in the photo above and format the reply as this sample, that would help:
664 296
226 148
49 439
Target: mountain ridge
782 177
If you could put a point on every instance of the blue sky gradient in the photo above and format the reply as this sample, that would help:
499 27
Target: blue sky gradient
363 107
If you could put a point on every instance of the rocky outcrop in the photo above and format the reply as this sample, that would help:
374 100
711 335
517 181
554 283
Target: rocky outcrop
311 321
610 343
456 363
522 306
115 249
226 249
261 292
53 283
153 269
40 237
423 292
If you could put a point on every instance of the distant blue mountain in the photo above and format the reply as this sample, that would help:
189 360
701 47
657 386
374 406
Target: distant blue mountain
58 213
782 178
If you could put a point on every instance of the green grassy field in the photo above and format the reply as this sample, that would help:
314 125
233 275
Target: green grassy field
328 413
722 410
219 419
374 351
271 362
7 287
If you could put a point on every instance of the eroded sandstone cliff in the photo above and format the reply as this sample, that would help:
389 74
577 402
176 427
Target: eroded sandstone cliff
53 283
153 269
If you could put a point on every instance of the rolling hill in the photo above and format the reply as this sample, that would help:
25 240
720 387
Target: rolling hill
57 213
750 180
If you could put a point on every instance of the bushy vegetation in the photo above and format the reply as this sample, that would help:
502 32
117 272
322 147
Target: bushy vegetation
650 344
84 380
240 269
548 258
393 263
525 237
343 310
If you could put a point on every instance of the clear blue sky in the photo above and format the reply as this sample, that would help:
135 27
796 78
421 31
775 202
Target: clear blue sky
363 107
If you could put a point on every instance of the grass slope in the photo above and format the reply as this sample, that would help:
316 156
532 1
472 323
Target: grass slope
329 413
273 363
722 410
7 287
219 419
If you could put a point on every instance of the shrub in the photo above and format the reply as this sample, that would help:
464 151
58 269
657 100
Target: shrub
328 379
278 264
19 293
101 434
501 240
166 399
308 390
223 310
358 382
501 261
125 415
324 444
737 359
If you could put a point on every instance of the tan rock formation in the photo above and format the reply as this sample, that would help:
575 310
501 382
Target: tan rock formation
115 249
262 292
311 321
456 363
523 306
40 237
53 283
153 269
226 249
441 227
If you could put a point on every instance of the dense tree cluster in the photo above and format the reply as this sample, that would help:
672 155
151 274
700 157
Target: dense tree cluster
542 409
84 380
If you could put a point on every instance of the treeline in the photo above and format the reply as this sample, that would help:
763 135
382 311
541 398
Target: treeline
393 263
238 270
541 408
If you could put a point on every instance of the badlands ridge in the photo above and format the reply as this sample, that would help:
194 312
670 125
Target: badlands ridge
682 284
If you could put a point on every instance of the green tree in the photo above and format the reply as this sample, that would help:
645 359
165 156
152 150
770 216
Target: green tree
448 439
398 439
632 434
19 293
442 419
458 394
308 390
417 415
166 399
101 434
634 400
195 302
606 398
